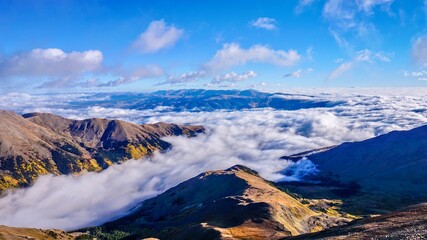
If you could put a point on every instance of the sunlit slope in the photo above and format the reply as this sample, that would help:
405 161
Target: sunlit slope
40 143
232 204
14 233
409 223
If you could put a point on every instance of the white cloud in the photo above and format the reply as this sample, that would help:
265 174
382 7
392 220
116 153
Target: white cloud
309 53
368 5
419 51
344 67
233 77
52 62
302 4
265 23
232 55
296 74
420 75
135 75
339 9
158 35
362 56
352 17
342 42
184 78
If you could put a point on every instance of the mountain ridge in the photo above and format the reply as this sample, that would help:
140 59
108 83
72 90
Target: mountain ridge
40 143
235 203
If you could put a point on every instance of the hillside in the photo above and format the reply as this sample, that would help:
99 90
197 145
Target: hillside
232 204
39 143
409 223
388 171
14 233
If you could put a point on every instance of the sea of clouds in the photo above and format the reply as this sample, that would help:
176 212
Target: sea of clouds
256 138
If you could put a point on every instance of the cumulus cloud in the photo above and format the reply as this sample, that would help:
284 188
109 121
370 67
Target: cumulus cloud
233 77
52 62
158 35
265 23
232 55
256 138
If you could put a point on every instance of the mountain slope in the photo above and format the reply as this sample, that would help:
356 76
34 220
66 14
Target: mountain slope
232 204
41 143
389 169
392 162
13 233
409 223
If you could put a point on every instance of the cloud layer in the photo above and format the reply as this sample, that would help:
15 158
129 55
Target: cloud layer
255 138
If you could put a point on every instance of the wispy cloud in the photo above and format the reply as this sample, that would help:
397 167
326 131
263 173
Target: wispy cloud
365 55
157 36
233 77
352 17
420 75
302 5
265 23
298 73
419 51
133 76
368 5
342 68
183 78
232 55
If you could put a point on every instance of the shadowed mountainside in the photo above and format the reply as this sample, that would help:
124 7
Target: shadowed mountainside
231 204
385 173
42 143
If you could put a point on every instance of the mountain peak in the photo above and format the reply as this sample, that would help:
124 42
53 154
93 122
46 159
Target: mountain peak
40 143
235 202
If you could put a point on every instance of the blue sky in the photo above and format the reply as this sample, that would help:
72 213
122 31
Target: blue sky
73 46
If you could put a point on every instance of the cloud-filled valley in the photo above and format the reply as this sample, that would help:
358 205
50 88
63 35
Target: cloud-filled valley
256 138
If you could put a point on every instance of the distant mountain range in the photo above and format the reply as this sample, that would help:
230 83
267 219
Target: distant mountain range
205 100
39 143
